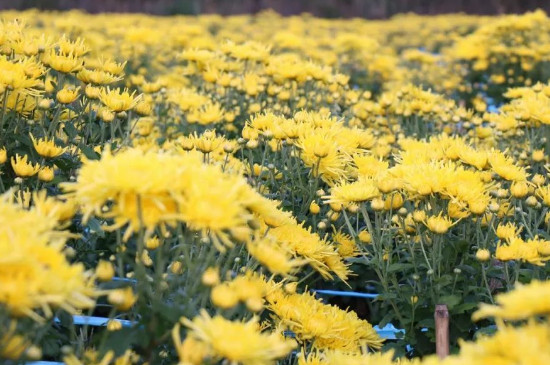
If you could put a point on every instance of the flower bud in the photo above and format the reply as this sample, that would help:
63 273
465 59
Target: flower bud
152 243
419 216
531 201
113 325
290 288
365 237
538 155
176 267
519 189
483 255
33 352
377 204
314 208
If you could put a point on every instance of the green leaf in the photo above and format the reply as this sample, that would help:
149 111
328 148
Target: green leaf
400 267
485 331
50 347
450 300
88 152
95 227
124 338
63 164
464 307
23 139
65 319
70 130
385 320
467 269
426 323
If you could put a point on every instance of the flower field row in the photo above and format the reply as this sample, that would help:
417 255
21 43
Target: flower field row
193 179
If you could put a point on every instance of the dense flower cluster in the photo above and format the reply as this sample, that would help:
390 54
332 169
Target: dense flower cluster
197 179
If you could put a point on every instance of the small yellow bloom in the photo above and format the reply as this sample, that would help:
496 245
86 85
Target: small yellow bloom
365 237
176 267
22 167
3 155
538 155
67 95
146 259
439 224
118 100
46 174
483 255
238 342
152 243
113 325
46 147
519 189
507 231
92 92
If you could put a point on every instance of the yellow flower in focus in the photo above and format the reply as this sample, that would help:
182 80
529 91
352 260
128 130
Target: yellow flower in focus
507 231
66 63
314 208
46 174
118 100
46 147
355 192
325 326
483 255
67 95
438 224
519 189
238 342
347 247
22 167
364 236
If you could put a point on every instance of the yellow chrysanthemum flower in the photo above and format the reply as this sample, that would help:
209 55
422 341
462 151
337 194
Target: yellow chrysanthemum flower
526 301
238 342
47 147
22 167
118 100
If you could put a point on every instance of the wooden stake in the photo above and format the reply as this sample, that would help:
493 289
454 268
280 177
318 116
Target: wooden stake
441 331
